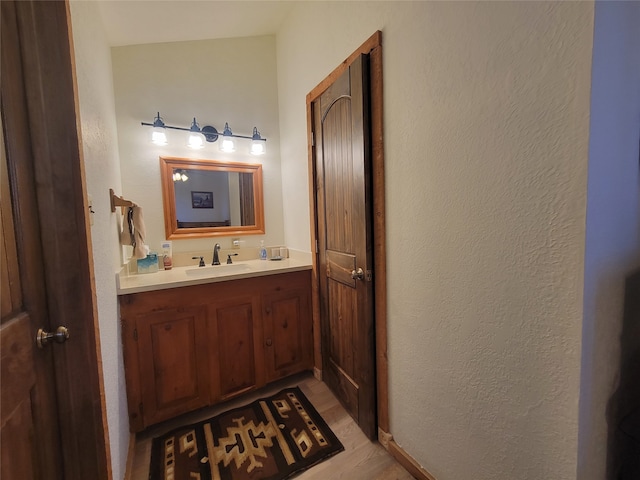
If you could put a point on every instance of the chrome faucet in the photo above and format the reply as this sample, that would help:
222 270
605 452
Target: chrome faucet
216 249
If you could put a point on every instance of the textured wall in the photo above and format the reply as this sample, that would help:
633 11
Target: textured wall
486 135
102 167
613 221
217 81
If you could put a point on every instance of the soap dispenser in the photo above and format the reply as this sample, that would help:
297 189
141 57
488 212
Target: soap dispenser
263 251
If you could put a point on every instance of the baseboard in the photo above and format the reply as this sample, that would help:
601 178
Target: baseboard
384 438
128 473
408 462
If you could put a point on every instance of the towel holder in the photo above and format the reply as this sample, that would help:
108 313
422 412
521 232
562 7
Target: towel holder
117 201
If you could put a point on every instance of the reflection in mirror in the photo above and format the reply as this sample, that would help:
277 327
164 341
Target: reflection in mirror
205 198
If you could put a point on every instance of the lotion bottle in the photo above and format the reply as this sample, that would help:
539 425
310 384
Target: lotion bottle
263 251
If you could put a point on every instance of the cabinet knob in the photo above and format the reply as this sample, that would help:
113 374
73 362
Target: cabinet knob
269 342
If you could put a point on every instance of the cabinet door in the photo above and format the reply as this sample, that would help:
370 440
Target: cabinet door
287 332
172 355
235 333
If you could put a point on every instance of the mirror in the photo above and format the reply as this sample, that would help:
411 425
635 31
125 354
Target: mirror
208 198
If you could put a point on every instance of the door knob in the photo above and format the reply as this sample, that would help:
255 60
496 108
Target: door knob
357 274
43 338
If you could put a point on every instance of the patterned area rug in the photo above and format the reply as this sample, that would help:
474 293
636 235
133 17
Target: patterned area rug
270 439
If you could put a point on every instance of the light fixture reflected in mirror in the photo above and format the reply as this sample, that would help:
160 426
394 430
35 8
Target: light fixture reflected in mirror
197 136
180 175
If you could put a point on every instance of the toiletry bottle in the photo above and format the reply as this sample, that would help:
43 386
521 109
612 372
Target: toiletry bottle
166 255
263 251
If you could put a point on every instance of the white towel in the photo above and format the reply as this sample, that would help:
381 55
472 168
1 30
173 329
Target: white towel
133 231
126 233
139 231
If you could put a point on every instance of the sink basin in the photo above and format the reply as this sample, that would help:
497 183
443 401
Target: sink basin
216 270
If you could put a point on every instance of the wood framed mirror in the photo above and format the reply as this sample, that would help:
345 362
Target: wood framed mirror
209 198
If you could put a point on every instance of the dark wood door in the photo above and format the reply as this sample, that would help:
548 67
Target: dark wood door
53 423
26 434
343 189
172 354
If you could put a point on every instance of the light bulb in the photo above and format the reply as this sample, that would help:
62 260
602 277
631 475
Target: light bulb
158 137
227 145
196 140
257 148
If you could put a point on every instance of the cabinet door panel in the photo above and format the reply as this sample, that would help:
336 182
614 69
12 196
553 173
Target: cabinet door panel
287 324
236 334
173 362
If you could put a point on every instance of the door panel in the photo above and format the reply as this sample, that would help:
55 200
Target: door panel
172 355
339 267
237 359
287 328
18 381
342 184
233 326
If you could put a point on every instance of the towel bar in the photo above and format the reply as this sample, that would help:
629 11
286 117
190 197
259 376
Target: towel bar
117 201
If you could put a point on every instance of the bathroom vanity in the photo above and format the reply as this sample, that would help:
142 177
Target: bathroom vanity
195 337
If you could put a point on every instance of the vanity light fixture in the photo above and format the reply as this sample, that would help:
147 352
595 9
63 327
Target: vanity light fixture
209 133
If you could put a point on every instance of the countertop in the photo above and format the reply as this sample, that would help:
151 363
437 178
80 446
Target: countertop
194 275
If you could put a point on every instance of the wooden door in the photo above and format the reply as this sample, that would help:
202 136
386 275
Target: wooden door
53 423
343 190
24 393
174 367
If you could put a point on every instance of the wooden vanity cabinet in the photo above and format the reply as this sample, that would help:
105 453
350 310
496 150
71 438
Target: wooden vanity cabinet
190 347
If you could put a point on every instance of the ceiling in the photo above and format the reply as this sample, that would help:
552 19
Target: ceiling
132 22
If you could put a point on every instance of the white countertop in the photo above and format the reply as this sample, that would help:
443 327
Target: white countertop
194 275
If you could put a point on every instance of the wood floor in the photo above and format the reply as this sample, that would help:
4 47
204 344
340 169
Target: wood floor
360 460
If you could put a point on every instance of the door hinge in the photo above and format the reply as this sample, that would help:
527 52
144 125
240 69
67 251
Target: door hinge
313 139
135 334
368 275
317 248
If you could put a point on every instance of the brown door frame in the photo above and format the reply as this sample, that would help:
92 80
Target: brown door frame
372 47
44 29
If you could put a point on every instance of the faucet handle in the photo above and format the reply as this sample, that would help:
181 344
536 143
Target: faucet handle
201 263
229 255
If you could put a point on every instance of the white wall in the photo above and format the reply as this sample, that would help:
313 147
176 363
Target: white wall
486 145
216 81
613 218
102 168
